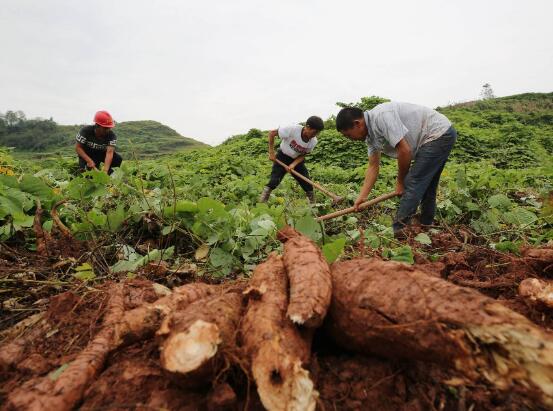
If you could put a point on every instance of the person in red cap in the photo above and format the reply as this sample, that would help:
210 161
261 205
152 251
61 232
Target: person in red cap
96 144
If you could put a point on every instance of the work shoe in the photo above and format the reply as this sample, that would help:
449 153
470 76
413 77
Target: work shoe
310 196
264 197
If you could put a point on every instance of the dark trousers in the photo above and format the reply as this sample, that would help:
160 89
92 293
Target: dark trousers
278 172
421 182
99 156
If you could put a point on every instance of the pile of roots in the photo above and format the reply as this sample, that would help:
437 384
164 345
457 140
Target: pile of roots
299 335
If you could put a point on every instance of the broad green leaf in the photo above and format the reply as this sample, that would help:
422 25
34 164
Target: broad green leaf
500 201
97 218
9 181
423 238
520 216
402 254
36 187
333 250
308 226
210 206
182 206
220 258
98 176
115 218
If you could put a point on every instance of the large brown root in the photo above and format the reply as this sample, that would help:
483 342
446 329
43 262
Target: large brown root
13 352
144 321
64 392
394 310
537 292
198 337
310 283
275 348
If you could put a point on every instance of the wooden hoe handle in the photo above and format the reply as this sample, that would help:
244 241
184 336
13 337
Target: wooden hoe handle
362 206
316 185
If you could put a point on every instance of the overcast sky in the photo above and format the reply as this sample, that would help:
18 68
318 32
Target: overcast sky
211 69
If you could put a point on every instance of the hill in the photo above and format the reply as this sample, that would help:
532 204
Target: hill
510 132
37 137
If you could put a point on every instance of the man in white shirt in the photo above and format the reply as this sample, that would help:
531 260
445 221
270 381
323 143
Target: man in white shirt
420 138
297 142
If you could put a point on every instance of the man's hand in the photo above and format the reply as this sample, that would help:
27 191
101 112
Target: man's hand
272 156
91 164
360 200
399 188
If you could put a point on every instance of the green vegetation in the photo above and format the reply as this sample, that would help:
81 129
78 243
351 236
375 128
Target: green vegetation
39 138
201 204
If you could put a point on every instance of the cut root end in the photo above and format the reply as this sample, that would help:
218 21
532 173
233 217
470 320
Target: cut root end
189 350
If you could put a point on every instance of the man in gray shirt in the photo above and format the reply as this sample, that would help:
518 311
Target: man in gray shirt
421 140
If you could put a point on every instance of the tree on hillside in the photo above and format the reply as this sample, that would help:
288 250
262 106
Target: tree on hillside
366 103
487 92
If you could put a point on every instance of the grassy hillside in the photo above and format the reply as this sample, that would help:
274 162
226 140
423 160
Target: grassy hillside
510 132
43 137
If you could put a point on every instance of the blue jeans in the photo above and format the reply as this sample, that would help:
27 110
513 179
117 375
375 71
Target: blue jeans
421 182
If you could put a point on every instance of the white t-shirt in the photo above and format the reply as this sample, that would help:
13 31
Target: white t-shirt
292 144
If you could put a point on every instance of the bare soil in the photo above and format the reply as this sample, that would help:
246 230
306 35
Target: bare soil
133 378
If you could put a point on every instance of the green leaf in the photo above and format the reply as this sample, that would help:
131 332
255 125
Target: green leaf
308 226
509 246
500 201
403 254
520 216
210 206
423 238
168 229
36 187
115 218
182 206
97 218
9 181
153 256
332 250
220 258
84 272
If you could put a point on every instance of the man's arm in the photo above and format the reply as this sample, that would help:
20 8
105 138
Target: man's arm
297 160
370 178
403 162
272 135
109 158
80 151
